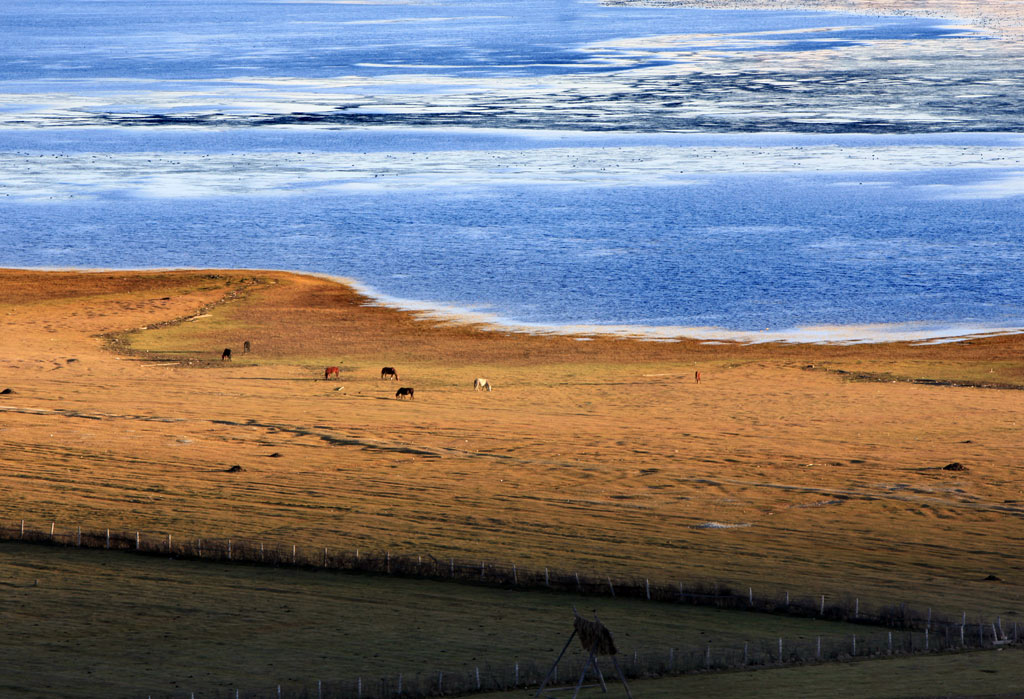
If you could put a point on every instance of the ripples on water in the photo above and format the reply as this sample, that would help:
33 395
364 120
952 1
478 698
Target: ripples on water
333 138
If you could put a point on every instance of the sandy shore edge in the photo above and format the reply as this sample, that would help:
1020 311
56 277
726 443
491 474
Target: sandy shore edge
913 332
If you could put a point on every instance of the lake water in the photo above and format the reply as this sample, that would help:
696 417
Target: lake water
544 162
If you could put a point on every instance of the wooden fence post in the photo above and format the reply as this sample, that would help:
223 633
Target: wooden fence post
611 587
515 681
79 540
199 545
478 678
787 598
325 556
168 543
707 657
962 643
399 684
515 575
138 541
108 539
547 583
780 650
22 529
854 645
578 586
320 688
822 612
293 554
387 561
856 608
890 643
359 687
648 586
926 640
750 596
817 653
229 549
51 530
746 657
451 565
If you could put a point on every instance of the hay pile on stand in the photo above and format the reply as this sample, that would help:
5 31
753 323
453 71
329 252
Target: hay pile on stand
594 636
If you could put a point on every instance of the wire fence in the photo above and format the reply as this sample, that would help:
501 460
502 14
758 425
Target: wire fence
896 629
675 661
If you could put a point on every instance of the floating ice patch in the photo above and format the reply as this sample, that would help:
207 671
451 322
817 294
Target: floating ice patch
1011 185
721 525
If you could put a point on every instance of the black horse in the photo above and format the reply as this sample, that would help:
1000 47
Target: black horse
389 372
404 392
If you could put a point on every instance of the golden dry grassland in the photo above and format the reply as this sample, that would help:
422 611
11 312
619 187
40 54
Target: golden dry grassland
601 456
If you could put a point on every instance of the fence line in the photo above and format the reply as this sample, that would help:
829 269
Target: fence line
638 664
425 566
910 630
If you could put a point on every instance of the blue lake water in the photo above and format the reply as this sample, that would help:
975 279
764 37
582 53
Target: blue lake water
546 162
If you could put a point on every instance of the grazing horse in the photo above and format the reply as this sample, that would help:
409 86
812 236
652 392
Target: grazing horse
404 392
481 385
226 354
389 372
332 371
246 347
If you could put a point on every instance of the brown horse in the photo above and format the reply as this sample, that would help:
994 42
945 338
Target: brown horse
246 347
332 371
226 354
404 392
389 372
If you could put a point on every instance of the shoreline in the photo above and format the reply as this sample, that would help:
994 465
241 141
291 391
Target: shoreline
1001 17
914 332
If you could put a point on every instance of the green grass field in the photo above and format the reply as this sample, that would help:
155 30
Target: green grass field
140 624
980 674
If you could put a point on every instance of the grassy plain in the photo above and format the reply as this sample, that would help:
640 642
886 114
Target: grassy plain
985 674
600 455
81 623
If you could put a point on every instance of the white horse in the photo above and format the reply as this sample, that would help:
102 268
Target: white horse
481 385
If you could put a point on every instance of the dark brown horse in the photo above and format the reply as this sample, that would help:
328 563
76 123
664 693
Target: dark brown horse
332 371
226 354
246 347
389 372
404 392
